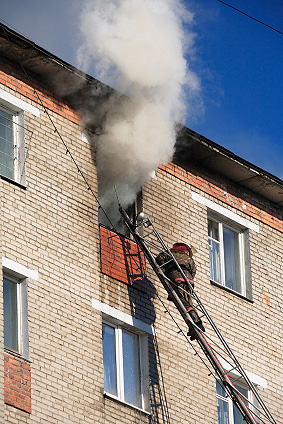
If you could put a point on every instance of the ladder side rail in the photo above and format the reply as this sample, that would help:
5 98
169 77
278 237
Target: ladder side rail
166 282
205 346
225 379
234 393
237 398
217 331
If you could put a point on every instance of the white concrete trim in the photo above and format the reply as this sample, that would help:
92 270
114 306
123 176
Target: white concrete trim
225 212
122 316
21 271
255 379
8 99
84 137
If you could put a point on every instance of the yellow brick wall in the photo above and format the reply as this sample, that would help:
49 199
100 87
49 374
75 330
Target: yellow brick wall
252 329
52 227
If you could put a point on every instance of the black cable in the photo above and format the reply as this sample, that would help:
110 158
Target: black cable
181 331
251 17
56 130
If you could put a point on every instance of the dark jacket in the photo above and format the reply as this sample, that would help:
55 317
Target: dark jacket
184 260
170 270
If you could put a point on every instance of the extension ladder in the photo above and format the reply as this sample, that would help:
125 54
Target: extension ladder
151 243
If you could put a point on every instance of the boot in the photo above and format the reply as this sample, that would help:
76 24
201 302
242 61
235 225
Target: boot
199 324
197 321
191 333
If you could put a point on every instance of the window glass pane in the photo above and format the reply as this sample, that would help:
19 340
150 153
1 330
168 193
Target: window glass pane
213 229
10 314
231 259
238 417
131 364
222 411
214 260
220 389
6 144
222 404
109 360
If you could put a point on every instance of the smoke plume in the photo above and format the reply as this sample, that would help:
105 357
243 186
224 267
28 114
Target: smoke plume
137 47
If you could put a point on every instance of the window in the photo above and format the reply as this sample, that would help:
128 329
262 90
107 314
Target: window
15 315
110 215
123 366
12 135
229 255
227 411
12 150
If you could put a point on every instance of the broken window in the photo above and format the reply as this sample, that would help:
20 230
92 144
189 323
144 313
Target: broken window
110 216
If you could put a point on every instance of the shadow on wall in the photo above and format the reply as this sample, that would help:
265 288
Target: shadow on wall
140 301
123 260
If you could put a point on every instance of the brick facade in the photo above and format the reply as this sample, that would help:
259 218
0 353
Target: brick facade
17 382
231 194
52 227
121 258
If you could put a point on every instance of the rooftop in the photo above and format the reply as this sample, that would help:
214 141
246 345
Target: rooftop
87 92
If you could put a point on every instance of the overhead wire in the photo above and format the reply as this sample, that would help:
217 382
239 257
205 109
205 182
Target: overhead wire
211 372
56 130
83 176
26 156
252 407
249 16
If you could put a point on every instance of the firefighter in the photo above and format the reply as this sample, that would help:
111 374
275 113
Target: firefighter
183 254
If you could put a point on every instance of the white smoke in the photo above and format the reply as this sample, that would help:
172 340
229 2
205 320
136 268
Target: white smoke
138 47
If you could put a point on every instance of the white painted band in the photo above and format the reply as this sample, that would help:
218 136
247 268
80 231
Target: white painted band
225 212
18 103
122 316
254 378
20 270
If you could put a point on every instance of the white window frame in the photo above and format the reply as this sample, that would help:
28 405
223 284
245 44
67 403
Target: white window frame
143 362
115 317
21 274
22 314
257 381
239 231
18 108
18 141
250 399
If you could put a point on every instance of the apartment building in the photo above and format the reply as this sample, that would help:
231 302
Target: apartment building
89 335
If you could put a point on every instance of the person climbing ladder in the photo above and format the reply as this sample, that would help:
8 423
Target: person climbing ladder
183 255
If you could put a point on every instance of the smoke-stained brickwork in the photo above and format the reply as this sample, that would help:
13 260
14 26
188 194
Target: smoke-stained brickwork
15 80
52 227
17 385
230 194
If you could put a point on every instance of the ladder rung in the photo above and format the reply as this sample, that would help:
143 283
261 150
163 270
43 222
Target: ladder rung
146 246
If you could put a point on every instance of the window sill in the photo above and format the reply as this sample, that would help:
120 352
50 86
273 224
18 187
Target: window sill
213 283
15 353
9 180
112 397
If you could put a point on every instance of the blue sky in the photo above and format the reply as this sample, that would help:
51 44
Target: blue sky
238 61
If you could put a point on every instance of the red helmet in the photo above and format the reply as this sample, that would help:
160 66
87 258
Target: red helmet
183 247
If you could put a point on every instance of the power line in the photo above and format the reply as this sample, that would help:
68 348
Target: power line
56 130
251 17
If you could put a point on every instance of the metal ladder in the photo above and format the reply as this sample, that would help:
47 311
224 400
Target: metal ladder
151 243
